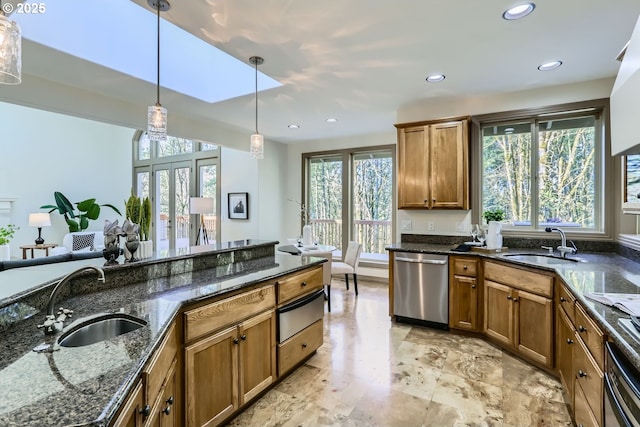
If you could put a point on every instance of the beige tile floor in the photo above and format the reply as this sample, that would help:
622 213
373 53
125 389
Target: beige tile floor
373 372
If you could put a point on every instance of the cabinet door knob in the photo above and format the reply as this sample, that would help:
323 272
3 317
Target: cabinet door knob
473 286
515 299
508 296
167 410
243 337
582 328
582 373
146 410
569 341
303 284
236 341
563 299
304 345
170 400
464 267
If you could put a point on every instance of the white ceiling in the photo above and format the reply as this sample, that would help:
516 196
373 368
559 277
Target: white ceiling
360 61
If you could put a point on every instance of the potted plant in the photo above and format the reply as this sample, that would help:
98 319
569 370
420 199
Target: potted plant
6 234
494 215
138 211
86 210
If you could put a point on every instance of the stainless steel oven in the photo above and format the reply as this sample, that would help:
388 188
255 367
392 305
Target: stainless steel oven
622 390
297 315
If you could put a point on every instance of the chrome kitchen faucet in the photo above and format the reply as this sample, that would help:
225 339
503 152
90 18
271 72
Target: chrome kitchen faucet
52 324
563 248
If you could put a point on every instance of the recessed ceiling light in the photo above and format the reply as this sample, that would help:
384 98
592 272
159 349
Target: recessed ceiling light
548 66
519 11
294 126
435 78
332 120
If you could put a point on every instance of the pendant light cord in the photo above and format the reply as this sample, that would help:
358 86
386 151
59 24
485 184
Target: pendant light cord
158 62
256 96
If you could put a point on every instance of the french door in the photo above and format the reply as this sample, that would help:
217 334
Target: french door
173 184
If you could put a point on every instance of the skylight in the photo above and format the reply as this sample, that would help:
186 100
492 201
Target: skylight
121 35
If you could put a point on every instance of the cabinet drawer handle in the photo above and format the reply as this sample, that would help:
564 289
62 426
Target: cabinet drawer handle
582 329
145 411
170 400
569 341
464 267
473 286
582 373
563 299
167 410
304 345
303 284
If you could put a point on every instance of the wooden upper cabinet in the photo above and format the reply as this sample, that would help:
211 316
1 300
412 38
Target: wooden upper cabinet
433 165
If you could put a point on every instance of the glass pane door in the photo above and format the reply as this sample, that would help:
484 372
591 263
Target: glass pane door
208 187
372 201
171 205
325 199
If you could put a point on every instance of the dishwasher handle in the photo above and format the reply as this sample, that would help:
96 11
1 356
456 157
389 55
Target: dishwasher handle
422 261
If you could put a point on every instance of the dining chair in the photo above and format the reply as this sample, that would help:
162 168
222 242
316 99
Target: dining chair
350 264
326 272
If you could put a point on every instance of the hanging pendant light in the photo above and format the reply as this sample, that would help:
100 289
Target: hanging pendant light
10 50
157 114
256 147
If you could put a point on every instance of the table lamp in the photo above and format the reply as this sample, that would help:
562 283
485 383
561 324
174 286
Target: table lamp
201 206
39 220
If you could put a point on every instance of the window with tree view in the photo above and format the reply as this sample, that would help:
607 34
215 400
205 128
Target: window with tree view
542 172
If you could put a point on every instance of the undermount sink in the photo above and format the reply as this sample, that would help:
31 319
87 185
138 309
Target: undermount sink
99 328
542 258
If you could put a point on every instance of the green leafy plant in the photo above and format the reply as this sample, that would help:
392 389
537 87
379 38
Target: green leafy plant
6 233
145 219
138 211
77 220
494 215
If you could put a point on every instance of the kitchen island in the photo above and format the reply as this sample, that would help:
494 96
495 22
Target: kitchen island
86 386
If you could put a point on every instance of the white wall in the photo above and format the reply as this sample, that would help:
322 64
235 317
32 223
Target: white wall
43 152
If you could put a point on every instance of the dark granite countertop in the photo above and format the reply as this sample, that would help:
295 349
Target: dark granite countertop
599 272
84 386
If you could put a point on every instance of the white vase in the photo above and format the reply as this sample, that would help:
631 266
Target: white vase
494 235
5 252
307 235
145 250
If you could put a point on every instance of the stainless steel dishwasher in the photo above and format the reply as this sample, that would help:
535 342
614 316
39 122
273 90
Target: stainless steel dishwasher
421 289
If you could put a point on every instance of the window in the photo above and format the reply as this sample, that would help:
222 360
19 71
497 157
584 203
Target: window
546 170
171 172
349 195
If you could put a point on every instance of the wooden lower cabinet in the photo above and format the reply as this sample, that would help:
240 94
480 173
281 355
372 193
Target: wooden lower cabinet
131 413
163 413
583 415
228 368
589 380
565 343
463 294
521 320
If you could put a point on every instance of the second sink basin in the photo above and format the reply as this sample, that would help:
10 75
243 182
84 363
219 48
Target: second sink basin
99 328
542 258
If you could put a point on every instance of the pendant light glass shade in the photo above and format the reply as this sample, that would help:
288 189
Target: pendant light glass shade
256 148
157 123
157 114
256 144
10 52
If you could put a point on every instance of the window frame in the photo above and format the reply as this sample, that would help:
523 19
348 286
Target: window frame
604 167
346 156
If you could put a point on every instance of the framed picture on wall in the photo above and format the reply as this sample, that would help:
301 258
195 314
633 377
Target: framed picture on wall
238 205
